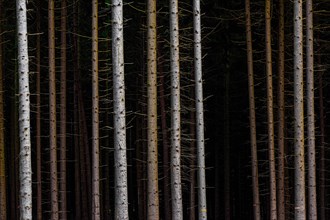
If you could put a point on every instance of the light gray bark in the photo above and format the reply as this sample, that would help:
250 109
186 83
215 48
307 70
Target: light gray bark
95 115
153 198
121 200
25 169
253 132
177 212
300 198
312 207
270 112
202 210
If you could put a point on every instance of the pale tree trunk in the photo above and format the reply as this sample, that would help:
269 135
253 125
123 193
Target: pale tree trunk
3 188
177 212
281 118
299 183
38 117
62 177
121 200
52 112
25 170
253 133
95 115
202 211
153 198
312 207
270 113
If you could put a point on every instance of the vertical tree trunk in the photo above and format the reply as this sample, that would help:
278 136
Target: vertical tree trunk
281 117
38 117
121 204
253 133
300 200
199 99
52 112
270 114
95 116
62 177
312 208
153 198
177 212
25 169
3 188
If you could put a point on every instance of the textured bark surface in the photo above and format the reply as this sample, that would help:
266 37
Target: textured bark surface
253 132
270 112
121 197
176 192
25 168
312 207
299 183
153 196
199 99
95 115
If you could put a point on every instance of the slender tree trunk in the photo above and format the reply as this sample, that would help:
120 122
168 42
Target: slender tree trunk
199 99
253 133
52 112
62 177
3 188
270 113
95 115
312 207
281 117
121 204
25 170
166 169
177 212
153 197
38 117
300 200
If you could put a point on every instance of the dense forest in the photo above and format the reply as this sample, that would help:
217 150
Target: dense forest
114 109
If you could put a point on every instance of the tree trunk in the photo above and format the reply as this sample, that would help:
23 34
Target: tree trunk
95 116
281 117
199 99
177 212
300 200
25 170
312 206
121 204
270 113
62 177
253 133
153 198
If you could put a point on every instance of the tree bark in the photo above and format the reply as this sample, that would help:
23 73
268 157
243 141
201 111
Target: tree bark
199 99
300 198
312 205
153 197
270 113
25 169
253 133
177 211
121 204
95 115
